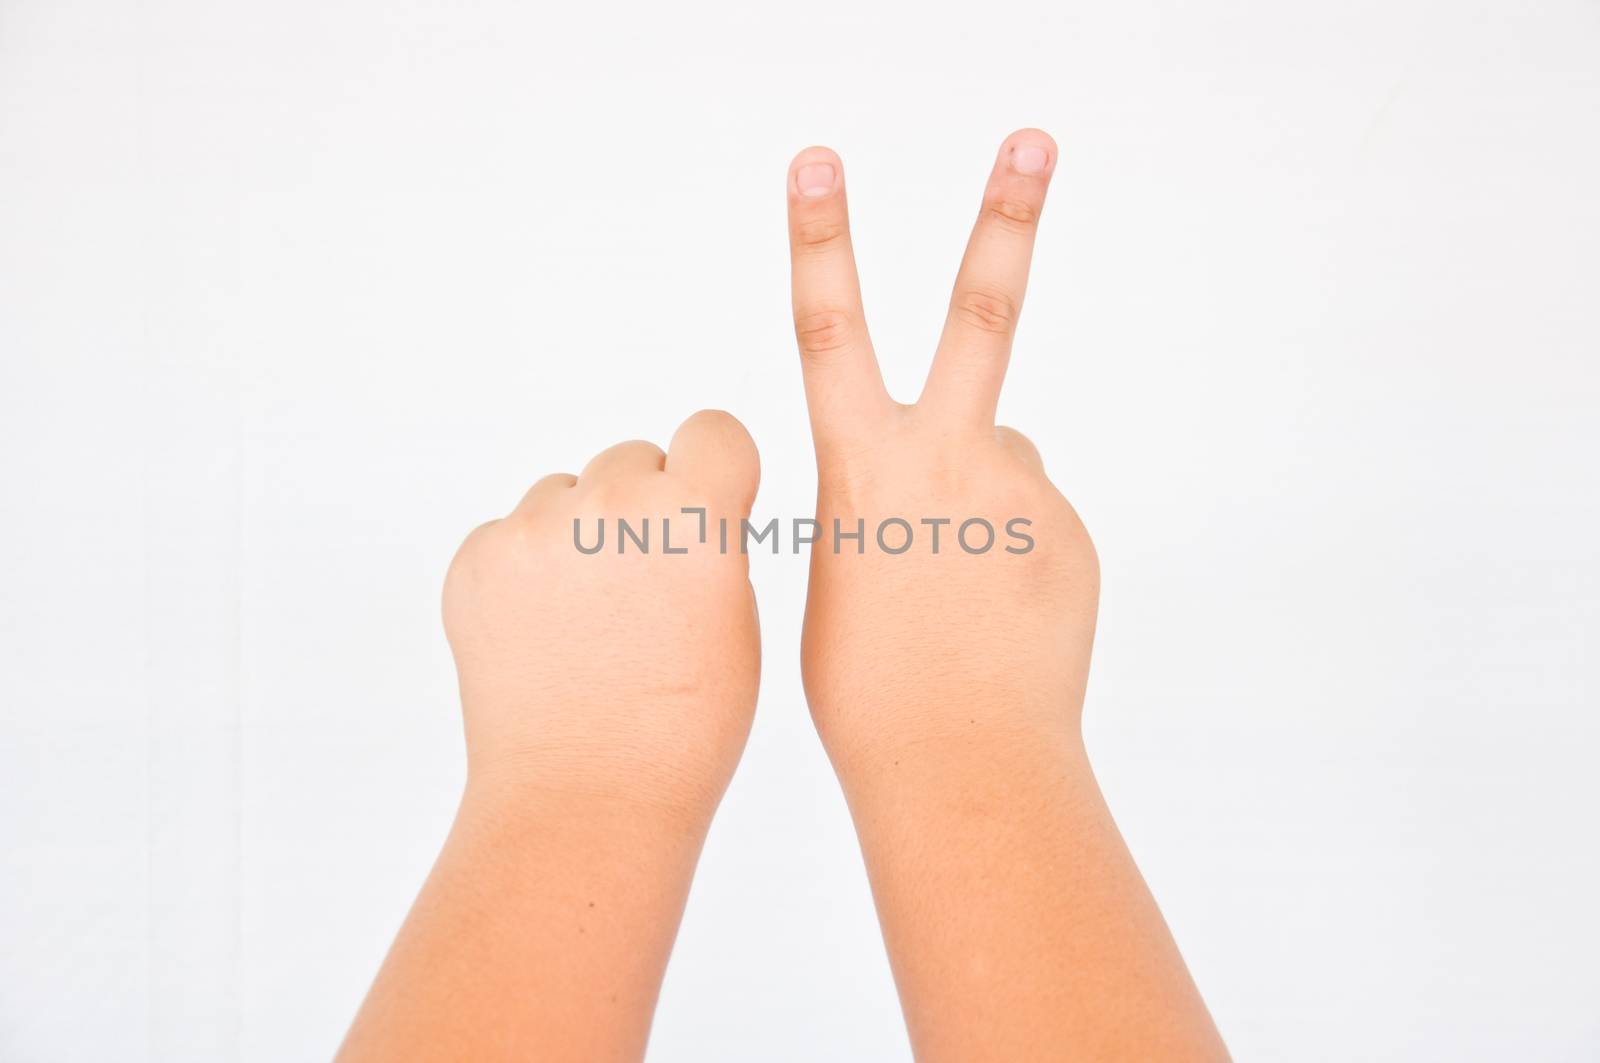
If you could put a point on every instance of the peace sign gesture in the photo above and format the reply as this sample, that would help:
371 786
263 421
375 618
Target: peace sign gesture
843 385
936 529
946 646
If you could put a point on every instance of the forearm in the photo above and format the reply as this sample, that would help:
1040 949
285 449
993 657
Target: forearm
1017 924
542 932
605 701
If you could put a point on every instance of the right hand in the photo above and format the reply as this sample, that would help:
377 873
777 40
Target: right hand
952 653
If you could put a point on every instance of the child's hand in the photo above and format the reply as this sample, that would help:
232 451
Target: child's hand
607 697
630 675
972 636
948 684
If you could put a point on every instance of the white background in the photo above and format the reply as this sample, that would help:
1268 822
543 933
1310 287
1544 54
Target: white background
293 294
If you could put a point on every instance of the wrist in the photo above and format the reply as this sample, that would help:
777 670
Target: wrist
974 748
588 763
529 798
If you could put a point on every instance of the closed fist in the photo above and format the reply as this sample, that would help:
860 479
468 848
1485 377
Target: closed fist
626 671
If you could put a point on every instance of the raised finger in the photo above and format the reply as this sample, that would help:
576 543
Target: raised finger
970 364
843 386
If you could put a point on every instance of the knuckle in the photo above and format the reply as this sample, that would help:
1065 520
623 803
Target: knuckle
1015 440
1011 213
479 536
819 234
986 311
551 482
623 461
476 543
716 430
714 423
822 333
622 454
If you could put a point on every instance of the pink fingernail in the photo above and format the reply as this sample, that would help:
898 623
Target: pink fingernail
1029 160
814 179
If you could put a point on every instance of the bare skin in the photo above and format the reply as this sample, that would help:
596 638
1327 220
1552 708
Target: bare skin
606 699
948 686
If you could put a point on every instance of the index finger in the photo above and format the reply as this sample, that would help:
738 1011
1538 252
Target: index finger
844 389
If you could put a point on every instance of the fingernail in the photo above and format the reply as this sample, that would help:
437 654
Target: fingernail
814 179
1029 160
